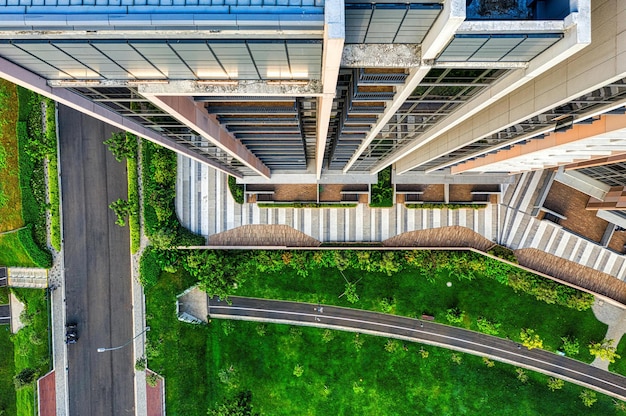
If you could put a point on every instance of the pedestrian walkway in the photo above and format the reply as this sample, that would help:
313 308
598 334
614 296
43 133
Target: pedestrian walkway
205 206
521 230
28 277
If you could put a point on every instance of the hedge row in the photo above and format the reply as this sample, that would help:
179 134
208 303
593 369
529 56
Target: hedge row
236 190
53 177
159 187
133 200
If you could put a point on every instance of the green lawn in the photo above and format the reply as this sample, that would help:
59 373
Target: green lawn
7 371
31 344
262 357
410 294
12 252
619 366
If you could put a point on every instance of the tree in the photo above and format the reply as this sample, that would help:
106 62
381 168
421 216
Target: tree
555 383
530 340
298 370
604 350
121 209
24 378
456 358
239 405
588 397
423 353
122 145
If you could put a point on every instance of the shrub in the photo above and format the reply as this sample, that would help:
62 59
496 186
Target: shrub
488 327
133 201
455 316
382 191
236 190
555 383
149 269
41 258
571 346
24 378
152 379
503 253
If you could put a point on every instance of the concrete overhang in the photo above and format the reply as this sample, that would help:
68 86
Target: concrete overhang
381 55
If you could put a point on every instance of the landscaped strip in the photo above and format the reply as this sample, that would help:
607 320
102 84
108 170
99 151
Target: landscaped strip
133 200
159 190
53 176
7 364
305 205
288 369
382 191
31 345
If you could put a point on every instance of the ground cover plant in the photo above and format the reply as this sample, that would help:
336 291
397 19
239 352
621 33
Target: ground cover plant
297 370
31 345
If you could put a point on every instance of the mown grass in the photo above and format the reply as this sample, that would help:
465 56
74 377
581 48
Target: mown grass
262 358
10 194
619 366
12 252
411 294
31 344
7 371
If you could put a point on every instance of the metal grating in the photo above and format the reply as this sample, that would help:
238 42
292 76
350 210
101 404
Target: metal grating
440 93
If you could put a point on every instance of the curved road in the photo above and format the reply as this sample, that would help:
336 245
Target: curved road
392 326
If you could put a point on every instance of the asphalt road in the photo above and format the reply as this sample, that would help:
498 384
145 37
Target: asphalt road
421 331
97 269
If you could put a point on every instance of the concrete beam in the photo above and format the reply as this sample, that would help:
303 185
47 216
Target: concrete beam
334 37
27 79
383 55
513 98
193 115
582 183
243 88
441 32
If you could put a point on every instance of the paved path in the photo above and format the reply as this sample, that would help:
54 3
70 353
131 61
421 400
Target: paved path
204 205
355 320
97 270
5 314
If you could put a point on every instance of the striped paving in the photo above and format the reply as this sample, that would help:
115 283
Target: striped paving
521 230
204 205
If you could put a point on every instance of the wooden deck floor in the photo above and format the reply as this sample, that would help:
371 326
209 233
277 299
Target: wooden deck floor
573 273
454 236
263 235
572 203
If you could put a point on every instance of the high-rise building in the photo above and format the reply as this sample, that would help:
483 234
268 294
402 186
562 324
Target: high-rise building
266 88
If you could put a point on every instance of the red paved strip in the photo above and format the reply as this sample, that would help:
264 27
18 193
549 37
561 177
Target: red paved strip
155 397
47 395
